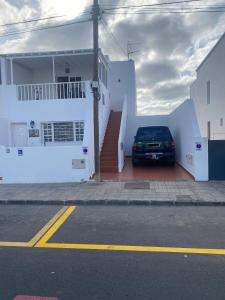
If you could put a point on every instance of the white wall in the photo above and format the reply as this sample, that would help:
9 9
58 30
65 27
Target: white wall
184 127
42 165
43 110
213 69
50 163
104 110
4 132
123 83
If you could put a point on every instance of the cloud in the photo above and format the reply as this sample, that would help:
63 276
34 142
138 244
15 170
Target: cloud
171 46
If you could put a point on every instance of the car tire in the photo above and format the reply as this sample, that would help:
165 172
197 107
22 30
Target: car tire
171 163
135 162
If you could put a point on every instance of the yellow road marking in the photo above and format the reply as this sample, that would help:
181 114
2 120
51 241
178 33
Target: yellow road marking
56 226
37 237
14 244
44 229
133 248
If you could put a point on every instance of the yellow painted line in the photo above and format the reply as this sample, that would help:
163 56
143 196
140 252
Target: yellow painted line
44 229
56 226
134 248
14 244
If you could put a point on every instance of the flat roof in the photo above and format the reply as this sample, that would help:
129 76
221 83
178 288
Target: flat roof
211 51
47 53
55 53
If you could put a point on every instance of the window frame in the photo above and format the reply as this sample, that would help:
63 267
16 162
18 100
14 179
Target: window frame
75 141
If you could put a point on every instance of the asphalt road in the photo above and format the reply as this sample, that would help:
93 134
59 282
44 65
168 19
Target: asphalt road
75 274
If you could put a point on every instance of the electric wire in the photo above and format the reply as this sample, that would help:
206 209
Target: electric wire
113 36
42 19
45 27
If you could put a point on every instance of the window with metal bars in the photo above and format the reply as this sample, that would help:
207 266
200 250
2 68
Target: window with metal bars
62 132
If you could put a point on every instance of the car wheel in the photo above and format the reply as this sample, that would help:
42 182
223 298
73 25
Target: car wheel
171 163
135 162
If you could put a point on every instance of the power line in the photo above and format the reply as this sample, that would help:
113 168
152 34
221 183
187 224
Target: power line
113 36
41 19
166 12
44 28
150 5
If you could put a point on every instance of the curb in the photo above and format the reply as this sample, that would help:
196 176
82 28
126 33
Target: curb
114 202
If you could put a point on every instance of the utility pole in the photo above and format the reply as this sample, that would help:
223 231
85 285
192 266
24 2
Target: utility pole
95 86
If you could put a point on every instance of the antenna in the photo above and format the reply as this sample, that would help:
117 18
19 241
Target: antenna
130 49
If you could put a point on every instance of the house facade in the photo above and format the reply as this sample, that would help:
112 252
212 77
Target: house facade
46 114
208 92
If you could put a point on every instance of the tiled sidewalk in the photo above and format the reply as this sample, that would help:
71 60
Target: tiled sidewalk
146 192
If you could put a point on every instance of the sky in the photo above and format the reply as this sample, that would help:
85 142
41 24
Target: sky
169 46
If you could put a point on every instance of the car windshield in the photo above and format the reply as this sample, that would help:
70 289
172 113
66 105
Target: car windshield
153 134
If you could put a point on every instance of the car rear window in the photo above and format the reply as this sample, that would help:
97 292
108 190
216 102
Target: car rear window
153 134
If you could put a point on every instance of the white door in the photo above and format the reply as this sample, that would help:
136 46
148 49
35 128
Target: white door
19 134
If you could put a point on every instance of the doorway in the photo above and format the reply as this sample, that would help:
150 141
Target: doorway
19 134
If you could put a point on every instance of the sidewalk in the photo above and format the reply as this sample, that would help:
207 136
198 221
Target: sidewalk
139 193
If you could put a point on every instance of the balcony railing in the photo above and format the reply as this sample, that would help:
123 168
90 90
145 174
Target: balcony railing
51 91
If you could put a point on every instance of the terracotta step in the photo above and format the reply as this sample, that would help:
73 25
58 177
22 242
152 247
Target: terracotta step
109 153
109 169
110 164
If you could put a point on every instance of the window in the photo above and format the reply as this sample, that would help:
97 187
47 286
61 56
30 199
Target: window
47 132
103 74
79 131
208 91
209 130
62 132
221 122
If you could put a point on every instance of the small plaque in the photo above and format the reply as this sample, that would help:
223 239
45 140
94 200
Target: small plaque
34 133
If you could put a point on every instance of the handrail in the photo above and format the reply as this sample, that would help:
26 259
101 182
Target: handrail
51 91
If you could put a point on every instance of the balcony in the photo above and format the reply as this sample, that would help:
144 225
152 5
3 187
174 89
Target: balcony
51 91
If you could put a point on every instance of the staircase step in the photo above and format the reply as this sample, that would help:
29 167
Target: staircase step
109 169
109 153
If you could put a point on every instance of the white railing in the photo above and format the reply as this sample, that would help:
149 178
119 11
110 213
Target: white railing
51 91
122 136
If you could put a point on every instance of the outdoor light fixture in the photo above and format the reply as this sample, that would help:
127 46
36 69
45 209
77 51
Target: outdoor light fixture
32 124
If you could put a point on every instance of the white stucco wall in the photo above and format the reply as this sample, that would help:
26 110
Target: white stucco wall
123 83
182 123
184 127
42 165
4 132
104 111
213 69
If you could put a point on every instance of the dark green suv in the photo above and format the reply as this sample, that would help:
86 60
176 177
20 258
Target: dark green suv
153 143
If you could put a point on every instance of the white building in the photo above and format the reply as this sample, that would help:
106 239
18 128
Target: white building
208 93
46 118
46 113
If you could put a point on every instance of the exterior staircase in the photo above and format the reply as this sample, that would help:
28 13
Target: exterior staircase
109 153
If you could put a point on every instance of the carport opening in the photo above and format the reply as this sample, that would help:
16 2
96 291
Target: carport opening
150 171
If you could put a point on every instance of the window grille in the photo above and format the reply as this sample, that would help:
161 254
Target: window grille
59 132
79 131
